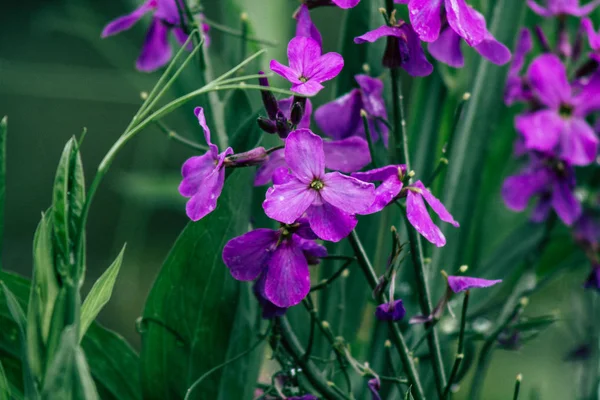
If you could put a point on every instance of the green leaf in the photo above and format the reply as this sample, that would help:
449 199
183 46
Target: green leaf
4 385
114 364
248 135
356 22
408 395
189 313
69 376
237 110
18 316
468 153
3 133
68 198
42 297
99 294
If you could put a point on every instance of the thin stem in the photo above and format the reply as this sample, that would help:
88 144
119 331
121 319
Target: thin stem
388 353
421 340
326 282
235 33
244 35
395 139
517 387
365 118
171 134
273 149
396 336
460 348
311 337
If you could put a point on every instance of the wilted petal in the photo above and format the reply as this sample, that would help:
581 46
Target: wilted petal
287 279
347 155
156 50
435 204
518 189
340 118
465 21
419 218
565 204
374 386
578 142
305 26
329 222
304 155
347 193
286 203
447 49
541 129
462 283
548 79
127 21
247 255
205 199
194 171
417 63
384 312
199 113
264 173
425 17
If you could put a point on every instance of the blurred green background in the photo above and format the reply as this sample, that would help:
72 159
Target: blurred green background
57 76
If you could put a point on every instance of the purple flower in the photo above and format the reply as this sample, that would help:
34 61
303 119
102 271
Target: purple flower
156 50
516 87
390 189
305 26
304 397
390 312
560 127
279 258
553 182
339 3
461 283
374 386
403 48
562 7
446 48
203 176
285 106
587 231
308 68
330 200
593 38
428 17
269 310
593 279
341 118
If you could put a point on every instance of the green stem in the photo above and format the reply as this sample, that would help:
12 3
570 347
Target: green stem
171 134
365 119
396 336
460 348
326 282
517 387
235 33
395 139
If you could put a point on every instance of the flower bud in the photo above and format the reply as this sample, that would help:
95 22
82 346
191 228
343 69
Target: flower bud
283 128
269 100
296 113
253 157
266 125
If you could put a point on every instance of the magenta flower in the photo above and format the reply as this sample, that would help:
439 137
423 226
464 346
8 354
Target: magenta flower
403 48
308 68
330 200
429 17
156 50
446 48
341 117
340 3
516 87
390 189
390 312
279 259
560 126
269 310
553 182
203 176
305 26
593 38
461 283
562 7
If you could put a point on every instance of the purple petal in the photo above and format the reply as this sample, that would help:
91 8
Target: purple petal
548 78
269 310
285 105
312 250
536 8
347 193
375 34
493 50
381 174
373 103
587 229
340 118
565 203
304 154
593 37
246 256
578 142
389 189
374 386
587 99
518 189
285 72
282 175
447 49
302 53
384 313
127 21
420 319
541 129
417 63
194 171
303 229
286 203
462 283
425 17
465 21
325 68
308 88
515 90
169 11
347 155
156 50
346 3
542 209
305 26
264 173
585 10
524 46
199 113
329 222
205 199
182 37
435 204
287 279
419 218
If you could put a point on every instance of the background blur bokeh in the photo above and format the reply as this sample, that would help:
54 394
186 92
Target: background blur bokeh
57 76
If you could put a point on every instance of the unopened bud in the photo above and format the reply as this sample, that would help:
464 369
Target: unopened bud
143 95
466 96
283 128
255 156
269 100
463 269
266 125
296 113
388 344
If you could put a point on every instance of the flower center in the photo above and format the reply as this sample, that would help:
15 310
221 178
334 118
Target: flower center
565 110
317 184
303 79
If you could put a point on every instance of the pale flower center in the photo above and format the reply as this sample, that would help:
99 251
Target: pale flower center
317 184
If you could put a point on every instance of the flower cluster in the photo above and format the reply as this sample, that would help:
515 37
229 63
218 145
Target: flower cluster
561 92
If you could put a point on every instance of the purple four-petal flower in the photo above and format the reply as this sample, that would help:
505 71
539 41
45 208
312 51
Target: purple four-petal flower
390 312
461 283
516 88
330 200
562 7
